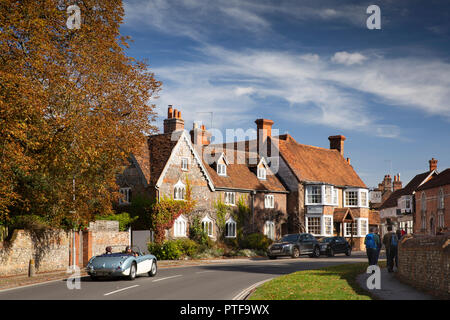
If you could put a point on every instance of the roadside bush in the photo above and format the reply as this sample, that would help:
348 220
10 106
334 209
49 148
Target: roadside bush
173 249
124 219
188 247
255 241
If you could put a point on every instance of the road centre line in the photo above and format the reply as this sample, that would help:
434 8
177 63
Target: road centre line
107 294
204 271
178 275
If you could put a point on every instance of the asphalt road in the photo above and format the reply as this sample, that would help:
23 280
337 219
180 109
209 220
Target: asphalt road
216 281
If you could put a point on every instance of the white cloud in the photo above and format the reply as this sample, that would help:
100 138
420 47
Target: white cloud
348 58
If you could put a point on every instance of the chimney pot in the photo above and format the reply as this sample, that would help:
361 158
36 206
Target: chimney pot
433 164
173 121
337 142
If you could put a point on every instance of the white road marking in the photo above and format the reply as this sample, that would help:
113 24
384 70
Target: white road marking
244 293
204 271
178 275
107 294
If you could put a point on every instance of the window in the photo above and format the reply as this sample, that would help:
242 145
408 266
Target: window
262 173
441 199
351 198
328 224
184 164
179 191
314 225
221 169
230 198
269 201
424 202
314 194
363 199
207 225
328 192
363 227
408 204
348 229
441 222
125 195
230 228
269 229
180 227
335 196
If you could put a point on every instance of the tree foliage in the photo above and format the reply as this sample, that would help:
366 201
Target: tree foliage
73 106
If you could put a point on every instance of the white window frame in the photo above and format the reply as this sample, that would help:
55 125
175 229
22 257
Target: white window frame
310 194
320 224
360 199
324 225
362 221
184 164
179 191
221 169
262 173
355 229
230 227
230 196
269 229
180 226
269 201
125 198
356 191
208 226
335 196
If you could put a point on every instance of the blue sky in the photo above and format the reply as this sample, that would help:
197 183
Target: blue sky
311 66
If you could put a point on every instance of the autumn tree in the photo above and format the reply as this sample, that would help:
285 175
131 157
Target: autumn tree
73 106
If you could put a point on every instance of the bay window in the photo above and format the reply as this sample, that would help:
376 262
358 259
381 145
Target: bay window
314 194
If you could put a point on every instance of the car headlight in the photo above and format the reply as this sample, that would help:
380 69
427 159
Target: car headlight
286 245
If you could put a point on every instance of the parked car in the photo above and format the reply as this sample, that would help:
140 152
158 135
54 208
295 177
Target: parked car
295 245
332 245
122 264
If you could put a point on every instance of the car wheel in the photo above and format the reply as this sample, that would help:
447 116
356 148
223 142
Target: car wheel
348 252
132 275
153 270
94 278
331 252
272 257
316 252
295 253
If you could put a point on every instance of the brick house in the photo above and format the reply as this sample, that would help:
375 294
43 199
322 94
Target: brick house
433 205
289 187
398 209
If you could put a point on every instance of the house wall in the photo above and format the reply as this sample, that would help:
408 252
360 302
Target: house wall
432 210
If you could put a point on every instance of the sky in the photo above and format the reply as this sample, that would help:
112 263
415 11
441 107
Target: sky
313 67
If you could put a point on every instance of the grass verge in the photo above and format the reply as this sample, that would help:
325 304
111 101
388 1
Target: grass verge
330 283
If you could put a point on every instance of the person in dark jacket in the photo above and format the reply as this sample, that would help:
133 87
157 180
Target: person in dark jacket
390 242
371 246
378 243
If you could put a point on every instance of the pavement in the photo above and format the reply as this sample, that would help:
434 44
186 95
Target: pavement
219 279
392 288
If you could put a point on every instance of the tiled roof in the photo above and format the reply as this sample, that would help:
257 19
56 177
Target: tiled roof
160 149
339 214
316 164
374 217
240 174
407 190
143 160
441 179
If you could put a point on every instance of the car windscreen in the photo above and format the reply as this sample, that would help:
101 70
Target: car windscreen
290 238
117 254
326 240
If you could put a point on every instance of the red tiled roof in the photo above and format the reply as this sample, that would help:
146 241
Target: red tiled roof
316 164
342 214
441 179
160 149
143 160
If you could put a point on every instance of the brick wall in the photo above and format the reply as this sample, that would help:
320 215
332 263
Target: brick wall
424 262
432 210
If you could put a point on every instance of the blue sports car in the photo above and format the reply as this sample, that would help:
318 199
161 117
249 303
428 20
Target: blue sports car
128 263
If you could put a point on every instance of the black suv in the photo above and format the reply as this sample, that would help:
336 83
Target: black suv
332 245
295 245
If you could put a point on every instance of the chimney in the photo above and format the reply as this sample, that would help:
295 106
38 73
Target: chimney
199 136
337 142
397 185
264 127
387 183
173 121
433 164
348 161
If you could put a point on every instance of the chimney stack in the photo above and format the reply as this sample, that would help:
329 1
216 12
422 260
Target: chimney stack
397 185
337 142
348 161
199 136
264 131
433 164
173 121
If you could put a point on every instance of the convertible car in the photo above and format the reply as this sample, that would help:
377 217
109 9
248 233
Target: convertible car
122 264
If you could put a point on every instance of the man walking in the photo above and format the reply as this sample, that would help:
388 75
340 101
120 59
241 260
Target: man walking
378 244
390 242
371 247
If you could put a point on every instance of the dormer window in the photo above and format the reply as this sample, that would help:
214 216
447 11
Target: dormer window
262 172
221 169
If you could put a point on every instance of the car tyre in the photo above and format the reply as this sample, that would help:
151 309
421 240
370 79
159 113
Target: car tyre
348 252
295 253
153 270
316 253
272 257
94 278
132 275
331 252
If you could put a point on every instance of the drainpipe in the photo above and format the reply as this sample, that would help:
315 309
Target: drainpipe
252 208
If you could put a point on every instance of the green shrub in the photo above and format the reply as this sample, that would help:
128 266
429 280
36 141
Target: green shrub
124 219
188 247
168 250
29 222
256 241
199 235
